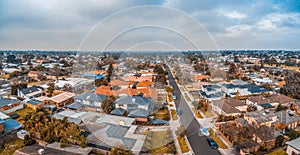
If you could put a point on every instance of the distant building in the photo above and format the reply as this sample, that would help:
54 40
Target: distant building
262 81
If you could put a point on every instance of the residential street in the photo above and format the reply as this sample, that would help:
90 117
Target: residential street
197 142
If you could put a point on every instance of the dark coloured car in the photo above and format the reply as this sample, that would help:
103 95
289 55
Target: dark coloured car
212 143
14 116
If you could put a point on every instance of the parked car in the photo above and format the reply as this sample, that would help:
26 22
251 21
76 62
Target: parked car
212 143
174 97
204 131
179 111
14 116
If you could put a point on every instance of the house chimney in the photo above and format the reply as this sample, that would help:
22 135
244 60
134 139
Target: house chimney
41 151
121 123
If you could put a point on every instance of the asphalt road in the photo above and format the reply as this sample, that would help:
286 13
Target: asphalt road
197 141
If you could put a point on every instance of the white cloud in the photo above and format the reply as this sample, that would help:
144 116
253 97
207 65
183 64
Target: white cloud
235 15
276 21
237 31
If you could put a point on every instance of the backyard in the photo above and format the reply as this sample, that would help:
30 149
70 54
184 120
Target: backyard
159 142
163 114
11 147
22 112
209 113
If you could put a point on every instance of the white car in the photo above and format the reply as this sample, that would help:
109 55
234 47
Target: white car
174 97
204 131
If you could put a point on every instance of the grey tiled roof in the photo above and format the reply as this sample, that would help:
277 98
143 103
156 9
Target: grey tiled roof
29 90
111 135
139 113
118 111
34 102
6 101
75 105
294 143
90 97
134 101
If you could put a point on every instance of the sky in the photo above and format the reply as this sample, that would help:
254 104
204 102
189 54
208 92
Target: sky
102 25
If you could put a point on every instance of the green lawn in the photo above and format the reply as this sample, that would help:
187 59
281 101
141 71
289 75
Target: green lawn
174 114
11 147
217 139
183 144
22 112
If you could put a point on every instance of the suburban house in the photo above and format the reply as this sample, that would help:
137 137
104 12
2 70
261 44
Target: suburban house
53 148
30 93
91 101
105 131
242 88
212 92
120 83
137 107
142 84
9 125
229 106
35 75
293 147
76 83
259 118
106 136
288 119
38 75
62 99
271 101
131 78
201 78
34 104
265 136
6 104
262 81
145 92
